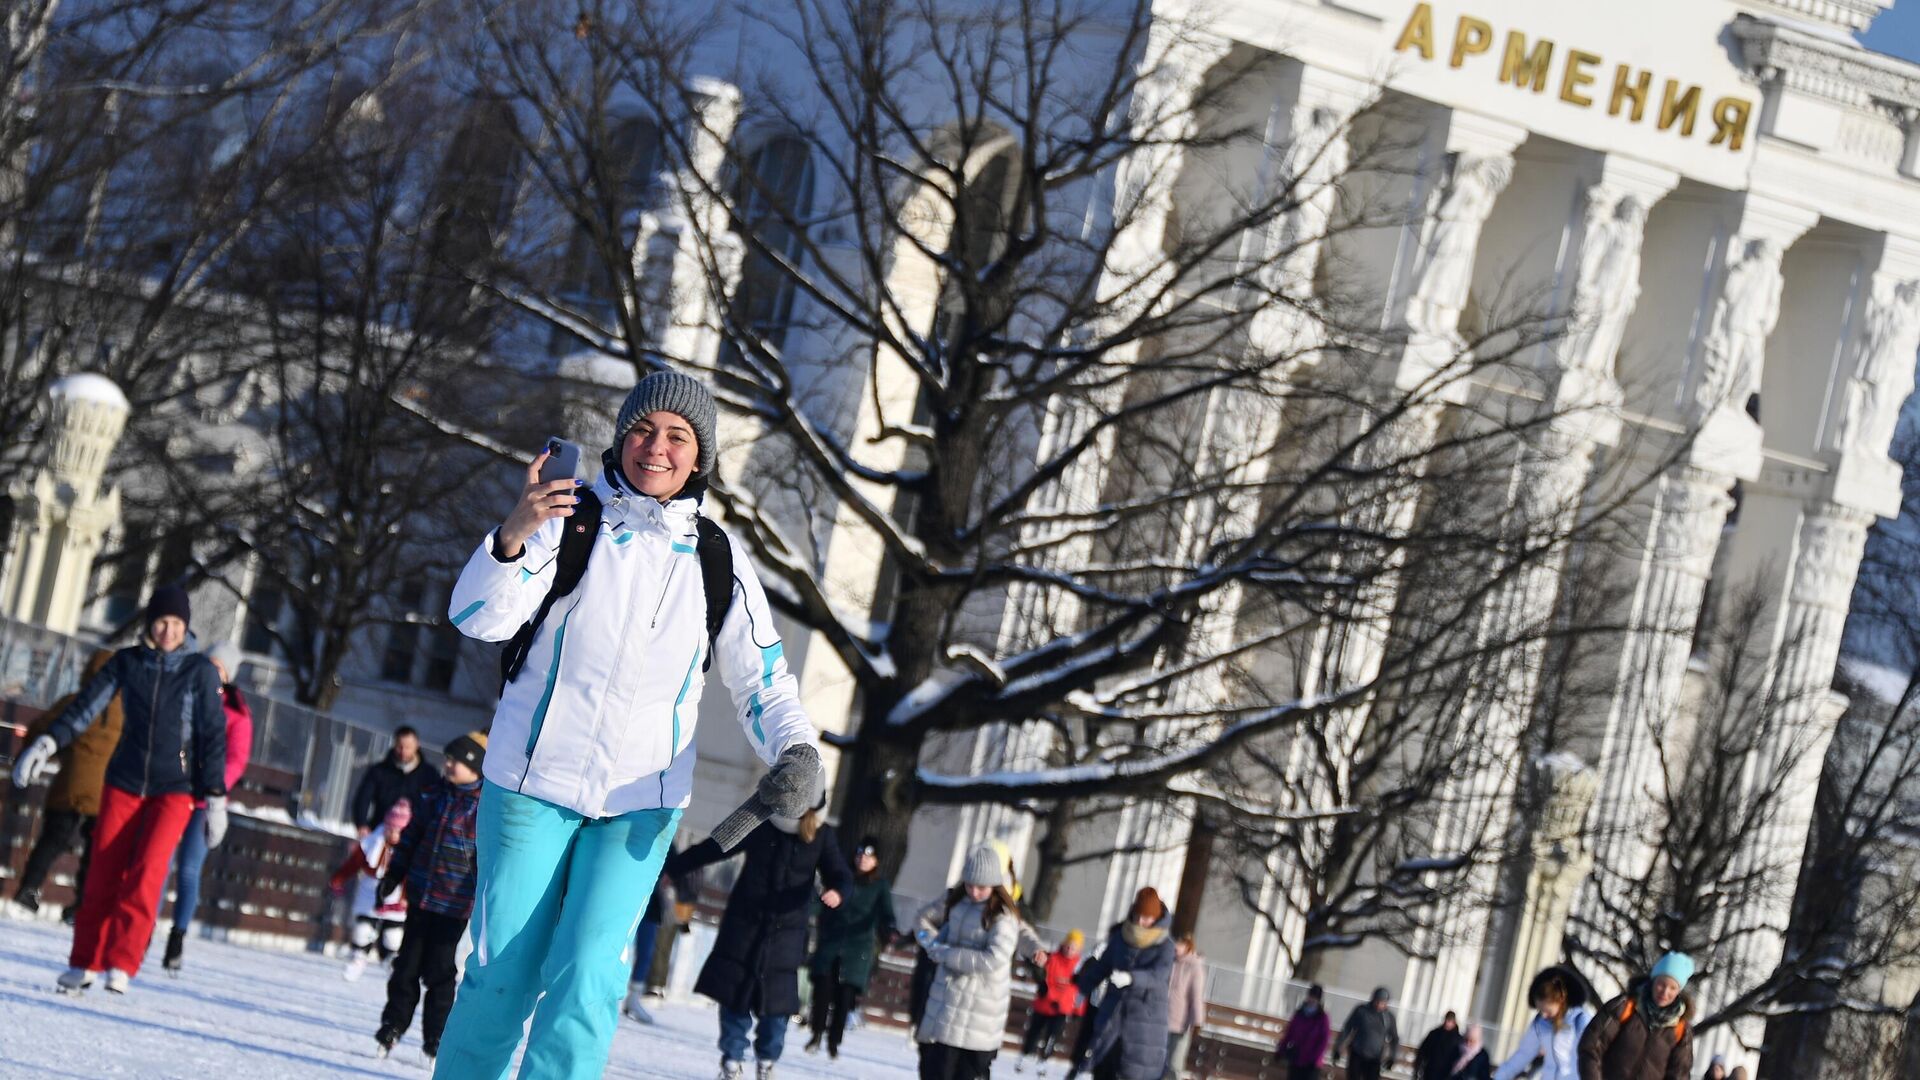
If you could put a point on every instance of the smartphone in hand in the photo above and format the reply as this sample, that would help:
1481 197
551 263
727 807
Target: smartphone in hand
563 461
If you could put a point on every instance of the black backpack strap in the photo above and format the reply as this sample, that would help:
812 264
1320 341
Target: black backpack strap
570 565
716 575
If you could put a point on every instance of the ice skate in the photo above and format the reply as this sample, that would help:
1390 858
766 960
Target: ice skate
813 1045
29 901
176 944
428 1053
1020 1064
634 1009
75 981
117 981
729 1069
386 1037
355 968
763 1070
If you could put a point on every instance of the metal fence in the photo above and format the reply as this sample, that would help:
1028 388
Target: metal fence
38 666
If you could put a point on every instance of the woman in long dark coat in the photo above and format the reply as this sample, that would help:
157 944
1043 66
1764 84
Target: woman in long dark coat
843 956
753 970
1130 1022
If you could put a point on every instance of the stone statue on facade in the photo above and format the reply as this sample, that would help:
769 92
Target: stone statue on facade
1608 283
1883 372
1309 167
1474 181
1736 345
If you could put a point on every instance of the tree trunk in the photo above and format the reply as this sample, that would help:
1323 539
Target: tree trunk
880 800
1051 861
1193 877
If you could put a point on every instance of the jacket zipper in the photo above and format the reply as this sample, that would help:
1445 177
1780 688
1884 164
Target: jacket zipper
153 719
660 604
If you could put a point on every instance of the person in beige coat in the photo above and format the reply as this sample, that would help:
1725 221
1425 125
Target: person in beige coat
971 939
1186 1003
73 798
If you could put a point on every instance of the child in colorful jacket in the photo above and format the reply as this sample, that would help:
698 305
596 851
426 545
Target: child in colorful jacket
435 862
379 919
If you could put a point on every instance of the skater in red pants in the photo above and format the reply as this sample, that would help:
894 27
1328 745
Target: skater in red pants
172 750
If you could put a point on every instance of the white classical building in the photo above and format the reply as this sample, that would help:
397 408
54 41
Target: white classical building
1724 196
1721 196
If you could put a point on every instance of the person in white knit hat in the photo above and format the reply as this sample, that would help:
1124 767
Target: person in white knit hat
971 936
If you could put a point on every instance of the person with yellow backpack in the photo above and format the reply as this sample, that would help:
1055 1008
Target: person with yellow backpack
1643 1034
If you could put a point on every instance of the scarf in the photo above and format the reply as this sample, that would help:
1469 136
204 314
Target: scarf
1142 937
1656 1016
1468 1050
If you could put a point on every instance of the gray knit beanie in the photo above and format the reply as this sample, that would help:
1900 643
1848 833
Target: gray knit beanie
984 867
682 395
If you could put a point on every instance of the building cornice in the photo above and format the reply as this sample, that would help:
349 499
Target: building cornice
1850 14
1823 67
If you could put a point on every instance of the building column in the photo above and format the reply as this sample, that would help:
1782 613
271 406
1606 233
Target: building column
1599 277
1678 518
1821 522
1443 231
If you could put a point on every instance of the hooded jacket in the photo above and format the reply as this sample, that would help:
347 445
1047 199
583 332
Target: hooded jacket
1626 1042
1307 1038
173 737
1133 1017
762 940
1058 995
1558 1047
600 720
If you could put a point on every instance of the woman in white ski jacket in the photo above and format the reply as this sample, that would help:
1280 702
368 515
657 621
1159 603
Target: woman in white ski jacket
1559 999
590 758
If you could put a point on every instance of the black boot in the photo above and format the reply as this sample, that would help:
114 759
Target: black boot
176 942
28 898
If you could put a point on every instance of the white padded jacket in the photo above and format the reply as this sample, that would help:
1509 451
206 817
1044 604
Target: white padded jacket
601 717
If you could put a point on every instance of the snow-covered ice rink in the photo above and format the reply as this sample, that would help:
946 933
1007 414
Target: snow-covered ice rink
239 1013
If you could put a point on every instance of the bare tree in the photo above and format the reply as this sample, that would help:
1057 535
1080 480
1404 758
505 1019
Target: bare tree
133 158
357 323
1120 484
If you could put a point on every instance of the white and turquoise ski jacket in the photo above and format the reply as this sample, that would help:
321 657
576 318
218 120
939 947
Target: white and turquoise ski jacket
601 718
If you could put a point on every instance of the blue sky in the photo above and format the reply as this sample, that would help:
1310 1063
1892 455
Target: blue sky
1898 31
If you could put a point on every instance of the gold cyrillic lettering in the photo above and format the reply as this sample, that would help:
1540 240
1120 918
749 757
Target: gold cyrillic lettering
1418 33
1730 122
1684 107
1521 67
1471 37
1576 77
1637 90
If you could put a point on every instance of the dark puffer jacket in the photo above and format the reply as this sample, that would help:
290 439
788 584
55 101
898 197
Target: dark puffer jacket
385 783
762 942
1625 1042
848 932
1133 1017
173 736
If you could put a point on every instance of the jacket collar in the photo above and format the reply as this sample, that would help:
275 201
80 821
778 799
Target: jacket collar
622 500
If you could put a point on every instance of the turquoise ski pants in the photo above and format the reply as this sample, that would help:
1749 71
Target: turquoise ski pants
555 908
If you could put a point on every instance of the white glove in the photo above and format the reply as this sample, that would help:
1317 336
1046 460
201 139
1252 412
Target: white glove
33 760
216 820
1121 979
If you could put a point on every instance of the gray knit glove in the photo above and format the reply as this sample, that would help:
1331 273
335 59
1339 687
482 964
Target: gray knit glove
789 789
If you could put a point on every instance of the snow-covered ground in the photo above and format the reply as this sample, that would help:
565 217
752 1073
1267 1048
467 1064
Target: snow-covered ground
239 1013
